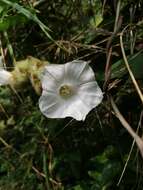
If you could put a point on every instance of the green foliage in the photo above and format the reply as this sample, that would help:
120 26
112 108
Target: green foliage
8 18
106 169
135 61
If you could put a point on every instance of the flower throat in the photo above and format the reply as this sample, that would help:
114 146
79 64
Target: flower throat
65 91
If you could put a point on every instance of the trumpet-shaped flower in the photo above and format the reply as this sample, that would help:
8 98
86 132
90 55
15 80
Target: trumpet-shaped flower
69 90
5 76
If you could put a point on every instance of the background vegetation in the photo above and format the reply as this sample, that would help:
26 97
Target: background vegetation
37 153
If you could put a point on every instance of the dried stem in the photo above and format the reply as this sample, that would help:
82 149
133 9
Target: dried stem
128 68
126 125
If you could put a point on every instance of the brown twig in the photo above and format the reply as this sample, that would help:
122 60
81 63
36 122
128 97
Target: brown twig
129 155
126 125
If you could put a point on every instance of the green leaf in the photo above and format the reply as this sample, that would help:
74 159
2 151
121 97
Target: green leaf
4 25
29 15
96 21
78 187
118 69
11 21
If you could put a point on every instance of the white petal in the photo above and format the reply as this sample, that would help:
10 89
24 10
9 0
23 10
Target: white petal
52 76
49 104
53 106
79 71
76 108
54 71
90 93
5 77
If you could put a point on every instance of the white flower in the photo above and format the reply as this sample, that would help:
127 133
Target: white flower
5 76
69 90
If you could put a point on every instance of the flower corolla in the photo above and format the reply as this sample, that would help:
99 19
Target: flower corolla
69 90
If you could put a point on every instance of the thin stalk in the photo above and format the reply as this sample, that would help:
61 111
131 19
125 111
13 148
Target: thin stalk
128 68
45 171
126 125
9 47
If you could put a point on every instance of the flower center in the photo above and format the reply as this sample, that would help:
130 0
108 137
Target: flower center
65 91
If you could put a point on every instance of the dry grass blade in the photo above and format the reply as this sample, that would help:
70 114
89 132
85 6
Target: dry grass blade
4 111
126 125
4 143
128 68
129 155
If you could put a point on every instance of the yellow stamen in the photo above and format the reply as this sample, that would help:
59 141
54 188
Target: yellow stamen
65 91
